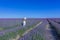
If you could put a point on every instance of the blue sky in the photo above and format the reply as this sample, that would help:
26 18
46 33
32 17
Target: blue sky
29 8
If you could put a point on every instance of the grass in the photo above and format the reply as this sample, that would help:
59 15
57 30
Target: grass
37 37
7 36
1 28
21 31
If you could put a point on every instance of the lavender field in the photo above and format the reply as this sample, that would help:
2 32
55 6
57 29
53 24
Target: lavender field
35 29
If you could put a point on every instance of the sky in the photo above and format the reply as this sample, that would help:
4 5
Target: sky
29 8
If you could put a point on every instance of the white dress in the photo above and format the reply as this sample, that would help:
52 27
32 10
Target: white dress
24 23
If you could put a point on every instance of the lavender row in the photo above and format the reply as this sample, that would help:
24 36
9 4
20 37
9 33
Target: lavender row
57 20
56 29
56 25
